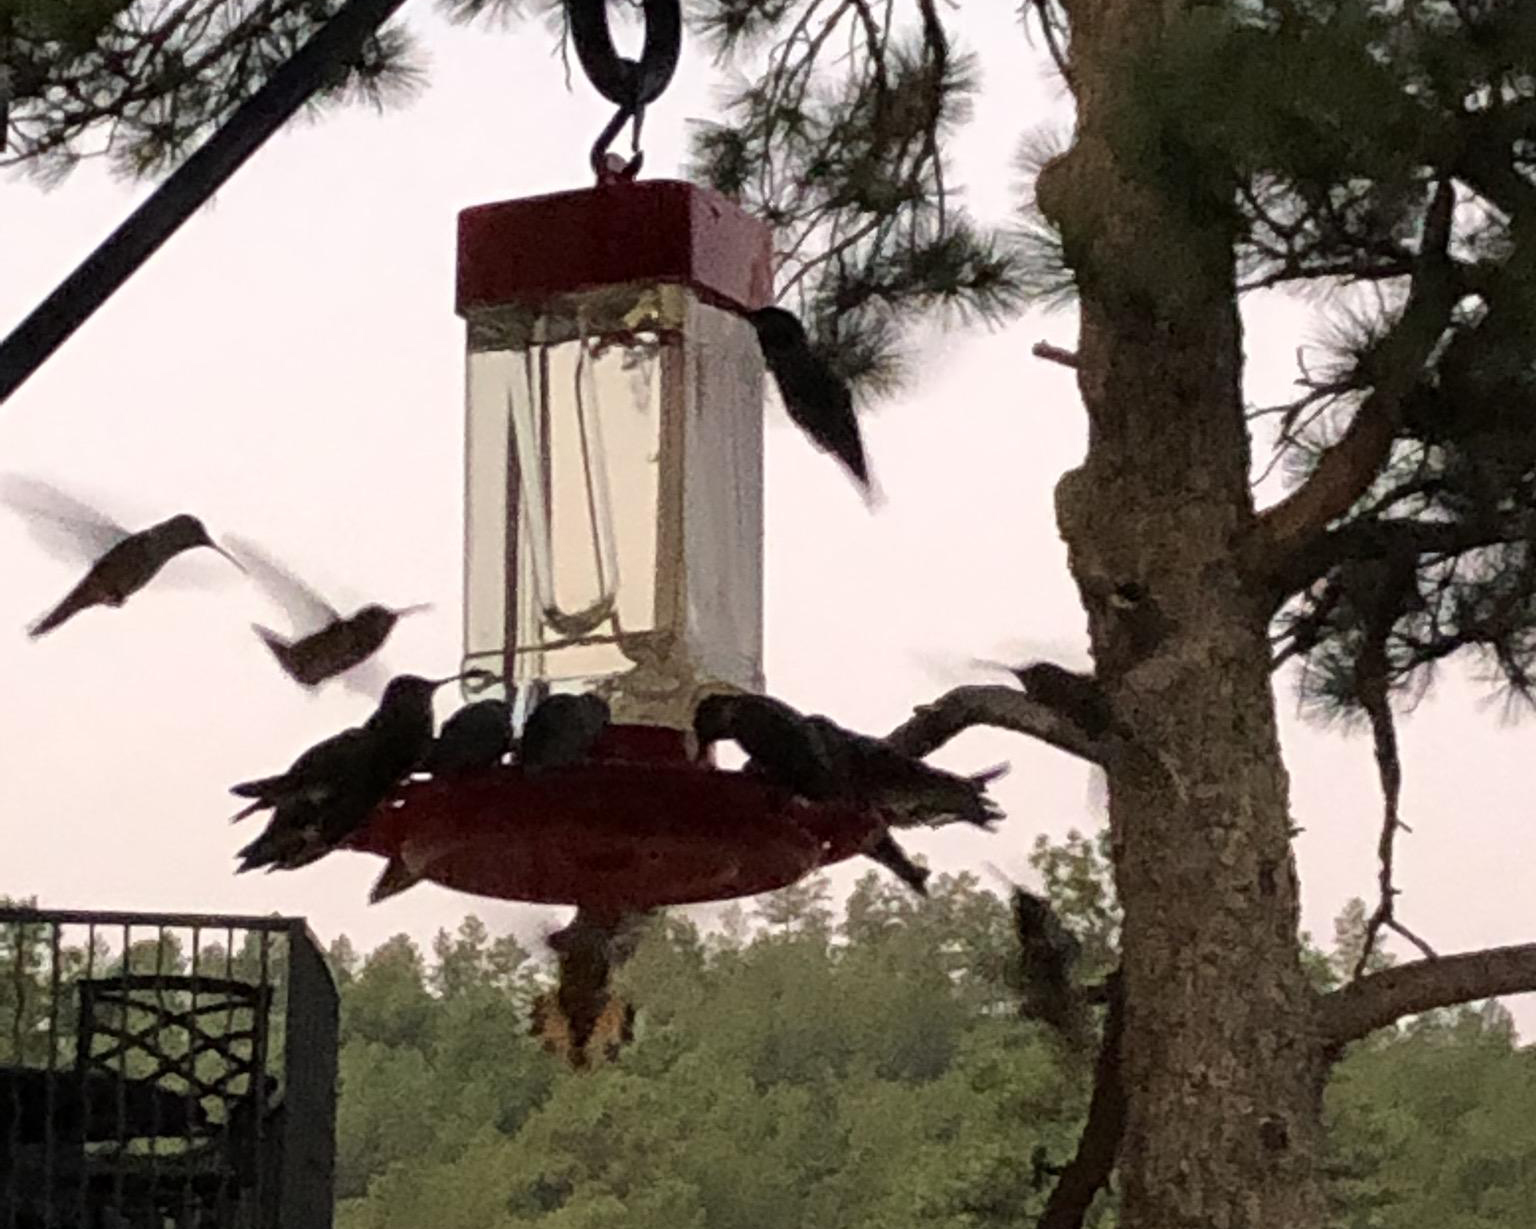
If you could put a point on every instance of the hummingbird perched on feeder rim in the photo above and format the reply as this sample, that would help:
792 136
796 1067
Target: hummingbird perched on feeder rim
906 788
338 643
314 812
778 739
311 777
122 562
792 751
562 731
474 738
814 395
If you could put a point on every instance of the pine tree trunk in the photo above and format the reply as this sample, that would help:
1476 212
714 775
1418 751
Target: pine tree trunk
1222 1075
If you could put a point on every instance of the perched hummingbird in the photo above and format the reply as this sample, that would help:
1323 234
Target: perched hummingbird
1076 697
368 763
402 724
339 643
312 776
894 858
880 776
562 731
475 737
780 741
815 397
123 562
305 829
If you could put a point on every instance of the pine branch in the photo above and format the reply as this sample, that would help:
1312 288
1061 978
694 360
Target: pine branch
1345 471
933 725
1054 354
1484 161
1379 999
1088 1171
1374 687
1373 539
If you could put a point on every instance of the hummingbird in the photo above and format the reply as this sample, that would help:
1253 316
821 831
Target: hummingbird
581 1010
123 562
338 643
1048 955
1076 697
312 776
817 759
780 741
368 763
880 776
562 731
815 397
475 737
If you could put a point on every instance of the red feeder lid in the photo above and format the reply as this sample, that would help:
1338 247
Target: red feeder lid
617 834
657 230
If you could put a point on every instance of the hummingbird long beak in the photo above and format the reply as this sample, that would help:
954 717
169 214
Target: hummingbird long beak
416 609
215 546
477 673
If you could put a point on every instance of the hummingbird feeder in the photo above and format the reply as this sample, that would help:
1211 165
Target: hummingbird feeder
613 534
614 444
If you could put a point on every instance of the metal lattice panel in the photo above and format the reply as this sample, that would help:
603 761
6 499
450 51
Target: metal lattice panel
164 1072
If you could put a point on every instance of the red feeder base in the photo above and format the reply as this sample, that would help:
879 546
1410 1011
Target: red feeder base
640 826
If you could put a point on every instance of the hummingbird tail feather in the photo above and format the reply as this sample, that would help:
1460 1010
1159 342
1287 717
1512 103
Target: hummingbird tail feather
283 651
62 613
609 1031
986 776
394 879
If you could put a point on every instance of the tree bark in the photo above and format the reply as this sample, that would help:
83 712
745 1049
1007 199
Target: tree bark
1221 1064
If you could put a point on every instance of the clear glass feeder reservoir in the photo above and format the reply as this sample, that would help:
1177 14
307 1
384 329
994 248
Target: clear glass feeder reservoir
614 446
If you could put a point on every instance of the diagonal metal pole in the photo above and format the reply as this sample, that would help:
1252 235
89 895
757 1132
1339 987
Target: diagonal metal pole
100 275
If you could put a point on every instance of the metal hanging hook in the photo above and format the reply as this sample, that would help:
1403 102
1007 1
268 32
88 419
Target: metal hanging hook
630 84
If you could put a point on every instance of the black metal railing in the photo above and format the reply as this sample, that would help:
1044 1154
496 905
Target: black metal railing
164 1071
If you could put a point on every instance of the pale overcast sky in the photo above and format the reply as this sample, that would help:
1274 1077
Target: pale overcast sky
290 368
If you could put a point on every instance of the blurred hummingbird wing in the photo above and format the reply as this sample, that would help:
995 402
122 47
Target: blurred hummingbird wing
61 524
368 678
308 610
196 569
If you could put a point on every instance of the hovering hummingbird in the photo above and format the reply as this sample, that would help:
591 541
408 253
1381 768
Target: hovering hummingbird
911 791
562 731
339 642
814 396
475 737
365 764
581 1010
1048 954
122 562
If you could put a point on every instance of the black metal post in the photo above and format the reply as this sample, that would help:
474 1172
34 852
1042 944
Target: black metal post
100 275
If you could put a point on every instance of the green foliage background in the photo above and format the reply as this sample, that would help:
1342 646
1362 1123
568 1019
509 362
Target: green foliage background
798 1066
866 1070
